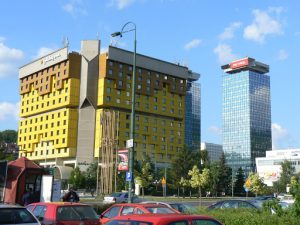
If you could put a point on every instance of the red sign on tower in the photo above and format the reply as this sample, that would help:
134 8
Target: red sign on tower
239 63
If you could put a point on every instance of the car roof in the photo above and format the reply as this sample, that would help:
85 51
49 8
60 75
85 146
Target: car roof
160 217
141 204
59 203
10 206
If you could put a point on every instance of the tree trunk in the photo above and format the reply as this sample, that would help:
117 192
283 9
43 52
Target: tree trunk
143 191
183 192
200 202
178 191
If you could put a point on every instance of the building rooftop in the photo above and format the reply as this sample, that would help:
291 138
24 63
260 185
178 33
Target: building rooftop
245 64
151 63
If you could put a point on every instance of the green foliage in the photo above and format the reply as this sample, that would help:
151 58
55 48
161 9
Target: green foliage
91 177
287 171
214 178
183 162
295 191
255 184
199 180
224 184
77 179
8 136
249 217
239 183
184 183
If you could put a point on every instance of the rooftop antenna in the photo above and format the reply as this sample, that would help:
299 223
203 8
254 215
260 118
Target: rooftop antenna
65 42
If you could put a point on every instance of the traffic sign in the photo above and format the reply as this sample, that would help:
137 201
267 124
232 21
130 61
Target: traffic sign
128 176
163 181
129 143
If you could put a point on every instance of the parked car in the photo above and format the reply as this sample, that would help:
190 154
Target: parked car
120 197
12 214
232 204
258 201
179 219
131 208
64 213
288 199
179 206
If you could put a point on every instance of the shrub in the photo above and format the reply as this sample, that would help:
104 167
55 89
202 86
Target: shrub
249 217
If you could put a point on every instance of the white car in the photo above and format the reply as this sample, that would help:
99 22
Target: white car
12 214
288 199
120 197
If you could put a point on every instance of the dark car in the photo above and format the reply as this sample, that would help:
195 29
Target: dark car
12 214
232 204
258 201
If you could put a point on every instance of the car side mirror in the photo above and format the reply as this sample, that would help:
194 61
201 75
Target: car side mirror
101 216
40 218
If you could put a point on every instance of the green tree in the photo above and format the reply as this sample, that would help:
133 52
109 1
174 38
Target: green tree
8 136
77 179
184 183
145 176
255 184
239 189
182 163
199 180
91 177
287 171
214 178
224 184
295 191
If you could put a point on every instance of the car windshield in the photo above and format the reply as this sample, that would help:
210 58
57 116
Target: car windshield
127 222
16 216
76 213
160 210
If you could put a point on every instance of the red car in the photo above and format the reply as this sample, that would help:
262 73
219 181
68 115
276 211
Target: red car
64 213
175 219
127 208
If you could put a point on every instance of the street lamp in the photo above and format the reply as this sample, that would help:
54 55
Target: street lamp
132 118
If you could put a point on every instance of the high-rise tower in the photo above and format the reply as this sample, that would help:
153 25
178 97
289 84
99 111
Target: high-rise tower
246 113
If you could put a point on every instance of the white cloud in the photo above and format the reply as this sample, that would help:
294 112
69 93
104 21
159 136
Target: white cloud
215 130
263 25
10 59
192 44
9 111
282 55
43 51
279 134
75 7
229 31
120 4
224 53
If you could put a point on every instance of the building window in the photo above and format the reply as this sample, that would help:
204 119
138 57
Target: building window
108 98
118 100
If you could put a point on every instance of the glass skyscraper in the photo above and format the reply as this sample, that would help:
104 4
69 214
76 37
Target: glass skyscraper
192 133
246 113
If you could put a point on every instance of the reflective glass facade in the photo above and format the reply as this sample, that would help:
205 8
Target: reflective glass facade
246 115
192 133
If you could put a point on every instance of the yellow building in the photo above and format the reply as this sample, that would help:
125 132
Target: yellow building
63 96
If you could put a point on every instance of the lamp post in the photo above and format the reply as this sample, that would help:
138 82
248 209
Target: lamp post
132 118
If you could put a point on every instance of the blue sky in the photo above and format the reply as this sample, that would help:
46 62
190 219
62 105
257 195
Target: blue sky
200 34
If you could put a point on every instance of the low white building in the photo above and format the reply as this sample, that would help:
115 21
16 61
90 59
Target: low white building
214 150
269 167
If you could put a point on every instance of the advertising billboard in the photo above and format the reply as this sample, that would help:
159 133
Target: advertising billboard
239 63
123 160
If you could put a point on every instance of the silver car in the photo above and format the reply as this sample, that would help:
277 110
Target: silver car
12 214
120 197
